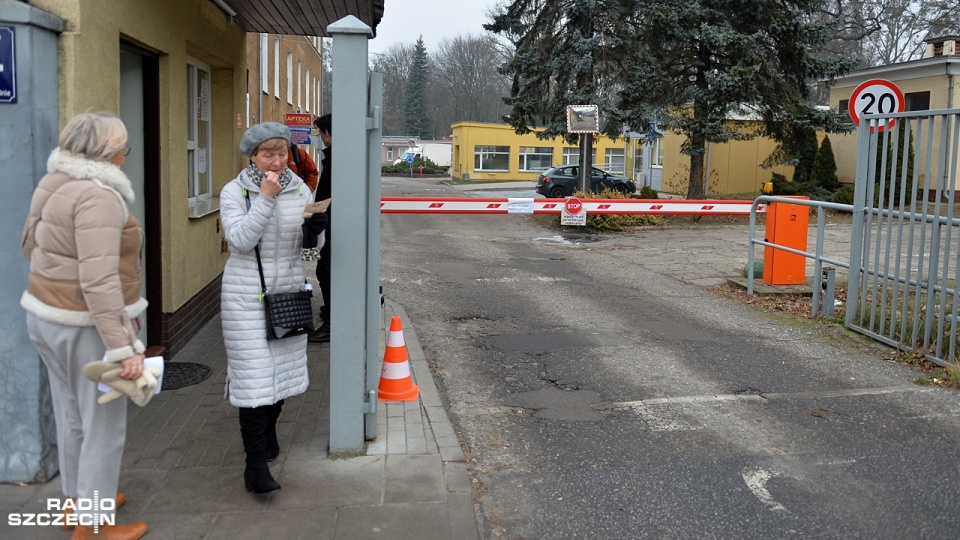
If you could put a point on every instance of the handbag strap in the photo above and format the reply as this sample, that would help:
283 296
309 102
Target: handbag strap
263 283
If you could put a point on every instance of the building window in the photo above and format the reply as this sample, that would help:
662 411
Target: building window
306 88
276 68
200 186
614 161
571 156
389 153
656 152
290 78
299 85
917 101
264 61
491 158
843 109
535 158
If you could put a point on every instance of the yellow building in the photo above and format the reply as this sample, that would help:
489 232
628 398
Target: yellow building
734 166
493 152
930 83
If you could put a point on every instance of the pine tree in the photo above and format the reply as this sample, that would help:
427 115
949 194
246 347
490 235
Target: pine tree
415 120
566 53
703 61
824 170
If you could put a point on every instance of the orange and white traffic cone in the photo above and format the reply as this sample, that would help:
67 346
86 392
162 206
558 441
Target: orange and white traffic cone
395 381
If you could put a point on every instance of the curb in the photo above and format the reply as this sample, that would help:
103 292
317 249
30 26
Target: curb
447 442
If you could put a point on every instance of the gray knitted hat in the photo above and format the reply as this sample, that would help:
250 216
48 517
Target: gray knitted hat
264 131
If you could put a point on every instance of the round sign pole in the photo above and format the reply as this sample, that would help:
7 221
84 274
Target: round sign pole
876 96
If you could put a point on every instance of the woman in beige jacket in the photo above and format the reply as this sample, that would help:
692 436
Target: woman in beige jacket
83 305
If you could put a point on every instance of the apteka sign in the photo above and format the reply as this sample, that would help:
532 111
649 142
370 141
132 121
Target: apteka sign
8 65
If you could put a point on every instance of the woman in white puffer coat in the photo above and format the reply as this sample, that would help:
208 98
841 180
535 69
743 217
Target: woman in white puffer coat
263 205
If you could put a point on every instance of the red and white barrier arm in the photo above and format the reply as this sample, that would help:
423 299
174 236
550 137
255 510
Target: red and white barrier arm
523 205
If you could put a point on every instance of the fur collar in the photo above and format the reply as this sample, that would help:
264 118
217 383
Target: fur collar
101 172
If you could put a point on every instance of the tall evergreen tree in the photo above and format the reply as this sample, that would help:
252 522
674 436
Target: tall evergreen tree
824 170
692 64
565 54
415 119
702 61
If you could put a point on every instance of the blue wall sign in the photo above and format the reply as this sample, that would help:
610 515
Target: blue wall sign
8 65
299 135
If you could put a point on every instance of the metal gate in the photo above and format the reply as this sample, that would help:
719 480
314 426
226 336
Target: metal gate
905 246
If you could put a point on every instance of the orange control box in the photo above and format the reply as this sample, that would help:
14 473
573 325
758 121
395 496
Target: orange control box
786 226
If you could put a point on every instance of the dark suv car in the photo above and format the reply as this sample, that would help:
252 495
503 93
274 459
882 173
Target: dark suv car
562 181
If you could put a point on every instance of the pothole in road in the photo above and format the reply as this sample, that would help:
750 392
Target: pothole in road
556 404
566 239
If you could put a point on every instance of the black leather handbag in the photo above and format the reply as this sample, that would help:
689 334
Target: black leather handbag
288 314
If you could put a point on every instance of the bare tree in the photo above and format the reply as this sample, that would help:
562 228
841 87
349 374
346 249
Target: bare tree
326 58
394 63
882 32
466 85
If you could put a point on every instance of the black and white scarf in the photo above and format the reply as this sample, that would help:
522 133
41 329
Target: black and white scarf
257 176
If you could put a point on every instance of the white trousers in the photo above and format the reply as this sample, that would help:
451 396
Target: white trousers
90 436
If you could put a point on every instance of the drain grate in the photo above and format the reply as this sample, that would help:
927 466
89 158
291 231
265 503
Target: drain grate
181 374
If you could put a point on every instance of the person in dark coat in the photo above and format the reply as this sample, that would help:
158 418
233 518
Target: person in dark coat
323 125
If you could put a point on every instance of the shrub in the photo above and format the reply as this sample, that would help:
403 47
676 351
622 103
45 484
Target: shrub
429 167
601 223
905 158
647 192
783 187
824 172
843 195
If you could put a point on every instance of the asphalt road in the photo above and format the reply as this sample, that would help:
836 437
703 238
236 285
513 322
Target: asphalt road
601 390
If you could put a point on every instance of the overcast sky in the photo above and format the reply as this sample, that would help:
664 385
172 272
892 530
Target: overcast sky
405 20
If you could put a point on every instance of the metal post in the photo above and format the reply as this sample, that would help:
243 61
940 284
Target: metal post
351 204
828 280
374 318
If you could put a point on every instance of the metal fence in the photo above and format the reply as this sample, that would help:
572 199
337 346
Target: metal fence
905 245
905 238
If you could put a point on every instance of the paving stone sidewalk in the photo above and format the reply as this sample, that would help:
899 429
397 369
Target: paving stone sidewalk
183 465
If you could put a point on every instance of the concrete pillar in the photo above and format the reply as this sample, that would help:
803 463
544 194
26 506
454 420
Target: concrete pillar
29 129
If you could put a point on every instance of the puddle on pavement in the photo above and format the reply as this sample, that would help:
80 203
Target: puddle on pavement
566 239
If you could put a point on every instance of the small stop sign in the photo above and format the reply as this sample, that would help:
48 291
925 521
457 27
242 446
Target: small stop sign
573 206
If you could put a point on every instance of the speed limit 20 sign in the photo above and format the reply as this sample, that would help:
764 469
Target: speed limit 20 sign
876 96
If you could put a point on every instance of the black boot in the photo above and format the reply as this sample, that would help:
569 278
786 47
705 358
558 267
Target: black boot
272 445
257 477
253 427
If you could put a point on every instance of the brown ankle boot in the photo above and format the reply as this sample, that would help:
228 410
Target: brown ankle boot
111 532
67 526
